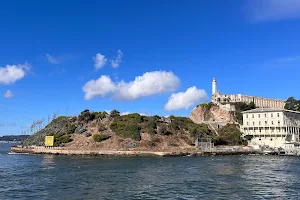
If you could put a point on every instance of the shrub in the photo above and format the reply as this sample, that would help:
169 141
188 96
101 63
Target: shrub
101 127
71 128
85 116
156 117
61 139
100 137
163 130
151 144
229 135
152 127
126 130
134 117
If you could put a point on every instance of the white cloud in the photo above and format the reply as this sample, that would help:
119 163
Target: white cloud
115 63
12 73
98 88
186 99
8 94
99 61
273 10
148 84
125 113
51 59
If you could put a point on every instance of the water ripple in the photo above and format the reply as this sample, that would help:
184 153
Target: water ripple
228 177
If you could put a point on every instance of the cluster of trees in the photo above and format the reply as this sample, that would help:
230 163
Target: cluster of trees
127 126
240 107
132 124
229 135
184 124
86 116
292 104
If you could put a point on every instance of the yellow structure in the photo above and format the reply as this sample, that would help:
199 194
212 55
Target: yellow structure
49 141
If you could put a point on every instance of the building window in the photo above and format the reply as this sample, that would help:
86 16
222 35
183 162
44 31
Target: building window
260 130
252 115
247 116
271 114
265 122
259 122
265 115
253 123
247 123
278 122
272 123
258 115
277 114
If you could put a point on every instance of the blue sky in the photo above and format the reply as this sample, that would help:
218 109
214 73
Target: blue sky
51 52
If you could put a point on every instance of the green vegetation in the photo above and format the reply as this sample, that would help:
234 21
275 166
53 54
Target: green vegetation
184 124
100 137
114 113
126 129
101 127
85 116
163 130
134 117
99 115
71 128
160 129
61 138
229 135
57 120
292 104
240 107
151 127
208 105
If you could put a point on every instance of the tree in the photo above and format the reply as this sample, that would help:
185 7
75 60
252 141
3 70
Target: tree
292 104
114 113
229 135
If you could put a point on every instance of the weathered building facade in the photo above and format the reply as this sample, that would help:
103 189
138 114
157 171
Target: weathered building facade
271 127
260 102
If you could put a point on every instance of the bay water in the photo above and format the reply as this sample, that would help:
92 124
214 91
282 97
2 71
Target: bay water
111 177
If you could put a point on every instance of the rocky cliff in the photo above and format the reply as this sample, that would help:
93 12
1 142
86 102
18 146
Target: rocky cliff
213 113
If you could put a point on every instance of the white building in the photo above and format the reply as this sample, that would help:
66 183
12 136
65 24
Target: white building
219 98
272 127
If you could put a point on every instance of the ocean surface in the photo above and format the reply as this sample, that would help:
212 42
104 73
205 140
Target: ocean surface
84 177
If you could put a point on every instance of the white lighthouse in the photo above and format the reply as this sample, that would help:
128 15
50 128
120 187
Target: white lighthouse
214 86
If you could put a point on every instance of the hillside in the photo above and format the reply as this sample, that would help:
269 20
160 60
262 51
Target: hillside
101 130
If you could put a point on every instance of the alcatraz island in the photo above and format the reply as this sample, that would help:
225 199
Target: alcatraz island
230 124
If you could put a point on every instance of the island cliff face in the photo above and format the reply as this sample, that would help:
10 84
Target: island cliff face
213 113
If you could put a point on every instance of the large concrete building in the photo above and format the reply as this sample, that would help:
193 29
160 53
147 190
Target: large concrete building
219 98
272 127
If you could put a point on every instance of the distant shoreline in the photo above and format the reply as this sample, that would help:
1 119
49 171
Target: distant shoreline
10 142
102 152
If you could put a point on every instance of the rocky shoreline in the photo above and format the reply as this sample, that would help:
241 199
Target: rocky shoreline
102 152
